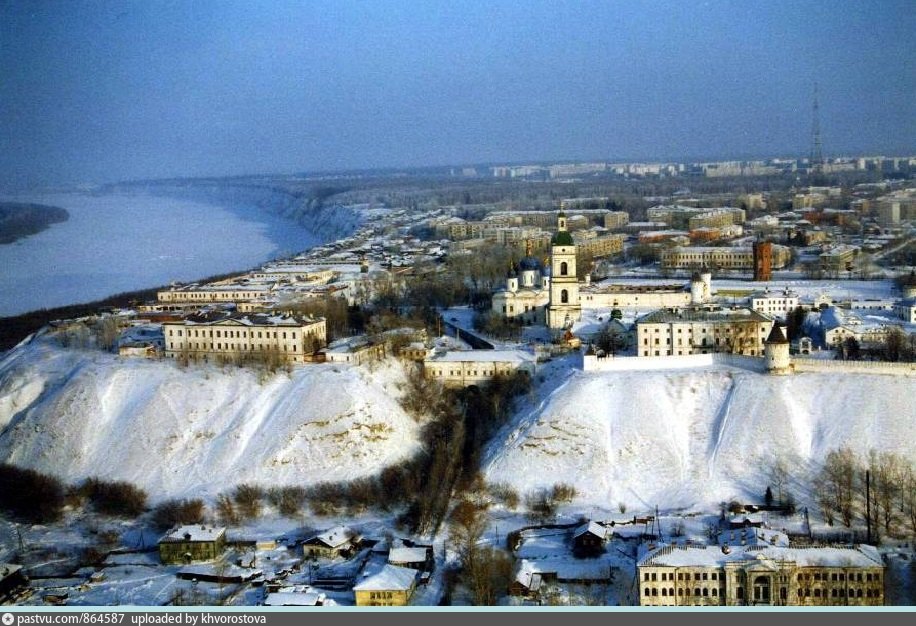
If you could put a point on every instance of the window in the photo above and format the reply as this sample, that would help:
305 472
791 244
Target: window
564 296
564 269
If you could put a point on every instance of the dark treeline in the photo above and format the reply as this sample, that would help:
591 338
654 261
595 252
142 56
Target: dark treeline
38 498
18 220
15 328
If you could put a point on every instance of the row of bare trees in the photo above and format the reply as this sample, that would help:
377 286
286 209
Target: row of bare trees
879 490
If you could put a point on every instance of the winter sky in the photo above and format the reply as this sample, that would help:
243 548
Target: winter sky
102 91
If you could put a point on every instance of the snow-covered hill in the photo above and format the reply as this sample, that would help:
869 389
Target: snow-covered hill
693 437
196 431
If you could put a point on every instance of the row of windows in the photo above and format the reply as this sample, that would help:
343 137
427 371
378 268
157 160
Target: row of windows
236 334
839 593
841 577
728 329
194 345
462 373
209 295
381 595
687 352
700 592
650 576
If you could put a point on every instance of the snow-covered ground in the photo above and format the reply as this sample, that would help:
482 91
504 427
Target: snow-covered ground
201 430
693 438
122 242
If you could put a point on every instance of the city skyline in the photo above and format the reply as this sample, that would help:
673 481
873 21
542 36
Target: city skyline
102 92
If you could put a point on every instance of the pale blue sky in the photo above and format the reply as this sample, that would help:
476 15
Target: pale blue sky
102 91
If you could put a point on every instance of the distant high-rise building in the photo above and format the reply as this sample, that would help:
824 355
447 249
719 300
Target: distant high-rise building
816 162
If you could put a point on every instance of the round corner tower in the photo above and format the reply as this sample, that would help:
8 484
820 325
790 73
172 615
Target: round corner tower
776 352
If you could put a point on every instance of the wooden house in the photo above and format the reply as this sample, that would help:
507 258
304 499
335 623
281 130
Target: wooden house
191 544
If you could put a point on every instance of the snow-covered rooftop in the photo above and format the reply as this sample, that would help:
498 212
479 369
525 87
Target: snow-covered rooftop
715 556
407 555
295 598
335 537
486 356
389 578
591 527
194 532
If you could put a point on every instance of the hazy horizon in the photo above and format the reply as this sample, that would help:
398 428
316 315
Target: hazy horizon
100 92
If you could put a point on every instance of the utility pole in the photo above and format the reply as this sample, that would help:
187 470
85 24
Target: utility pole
868 505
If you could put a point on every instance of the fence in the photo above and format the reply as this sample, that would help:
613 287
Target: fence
862 367
592 363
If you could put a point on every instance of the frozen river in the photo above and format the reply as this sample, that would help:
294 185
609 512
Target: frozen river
123 242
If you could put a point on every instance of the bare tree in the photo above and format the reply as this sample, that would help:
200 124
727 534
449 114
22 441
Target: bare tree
887 478
907 496
836 485
485 569
778 476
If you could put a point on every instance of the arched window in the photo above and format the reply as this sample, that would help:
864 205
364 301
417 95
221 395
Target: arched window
564 269
564 297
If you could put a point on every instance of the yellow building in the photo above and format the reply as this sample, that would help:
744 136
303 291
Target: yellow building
761 575
390 586
616 219
192 543
731 258
608 245
214 293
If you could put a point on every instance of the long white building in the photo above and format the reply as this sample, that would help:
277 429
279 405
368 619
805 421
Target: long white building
677 332
237 337
474 367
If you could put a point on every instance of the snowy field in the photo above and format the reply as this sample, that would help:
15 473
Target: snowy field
120 242
693 438
201 430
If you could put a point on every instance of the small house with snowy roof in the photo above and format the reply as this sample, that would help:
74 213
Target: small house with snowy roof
192 544
337 541
390 586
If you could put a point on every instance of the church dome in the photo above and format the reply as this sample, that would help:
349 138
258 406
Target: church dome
529 263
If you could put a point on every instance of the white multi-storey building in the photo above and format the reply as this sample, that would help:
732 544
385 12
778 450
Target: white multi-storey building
474 367
678 332
775 304
234 337
761 575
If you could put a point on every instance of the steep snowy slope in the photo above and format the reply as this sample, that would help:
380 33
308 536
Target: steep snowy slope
689 437
199 430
